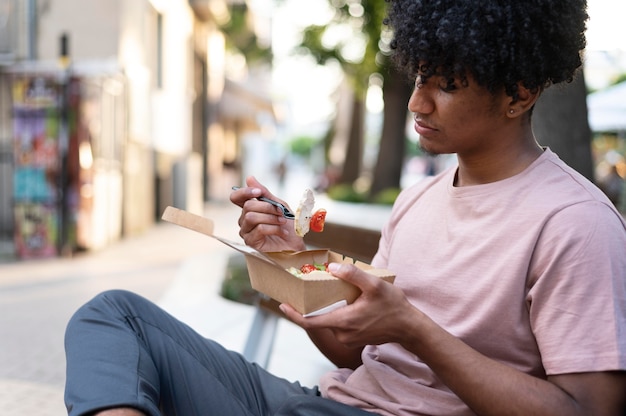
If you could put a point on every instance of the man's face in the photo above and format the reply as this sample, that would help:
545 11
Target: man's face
455 117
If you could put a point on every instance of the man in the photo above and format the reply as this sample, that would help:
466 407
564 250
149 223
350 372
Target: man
510 290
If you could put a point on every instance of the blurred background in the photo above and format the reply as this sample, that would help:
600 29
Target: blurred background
111 110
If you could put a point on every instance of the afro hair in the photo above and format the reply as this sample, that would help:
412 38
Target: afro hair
500 43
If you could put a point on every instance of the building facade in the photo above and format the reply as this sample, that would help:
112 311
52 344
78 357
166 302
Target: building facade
147 77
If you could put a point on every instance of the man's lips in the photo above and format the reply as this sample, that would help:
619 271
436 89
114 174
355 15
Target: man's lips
421 127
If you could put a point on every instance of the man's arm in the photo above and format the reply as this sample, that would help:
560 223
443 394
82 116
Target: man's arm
603 389
339 354
491 388
383 314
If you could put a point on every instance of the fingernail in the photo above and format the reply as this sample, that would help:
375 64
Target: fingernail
334 267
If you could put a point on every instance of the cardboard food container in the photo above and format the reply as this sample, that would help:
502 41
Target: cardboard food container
311 295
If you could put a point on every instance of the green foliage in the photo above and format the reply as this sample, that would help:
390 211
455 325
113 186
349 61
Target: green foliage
412 148
346 193
365 19
312 42
241 37
619 79
303 145
386 196
236 284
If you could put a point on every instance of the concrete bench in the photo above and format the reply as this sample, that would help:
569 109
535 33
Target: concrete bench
356 242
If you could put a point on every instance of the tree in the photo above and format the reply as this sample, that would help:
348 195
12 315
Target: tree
364 22
391 153
560 122
559 119
241 37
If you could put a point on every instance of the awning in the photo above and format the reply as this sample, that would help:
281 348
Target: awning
245 106
607 109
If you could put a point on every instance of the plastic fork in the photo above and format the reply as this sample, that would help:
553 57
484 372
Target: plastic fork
286 213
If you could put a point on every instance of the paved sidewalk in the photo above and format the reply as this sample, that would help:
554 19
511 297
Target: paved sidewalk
177 268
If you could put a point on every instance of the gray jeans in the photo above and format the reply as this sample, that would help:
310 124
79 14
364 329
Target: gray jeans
123 350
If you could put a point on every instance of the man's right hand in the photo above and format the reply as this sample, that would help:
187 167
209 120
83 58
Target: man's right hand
262 225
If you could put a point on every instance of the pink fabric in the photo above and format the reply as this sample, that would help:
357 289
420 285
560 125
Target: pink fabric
530 271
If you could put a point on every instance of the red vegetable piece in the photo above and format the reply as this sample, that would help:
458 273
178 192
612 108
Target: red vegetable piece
317 220
307 268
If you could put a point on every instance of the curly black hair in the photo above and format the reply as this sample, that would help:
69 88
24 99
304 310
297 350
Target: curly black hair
498 42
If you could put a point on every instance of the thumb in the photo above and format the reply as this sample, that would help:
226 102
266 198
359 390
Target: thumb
253 182
351 274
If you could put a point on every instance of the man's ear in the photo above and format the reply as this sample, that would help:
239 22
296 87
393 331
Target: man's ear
526 99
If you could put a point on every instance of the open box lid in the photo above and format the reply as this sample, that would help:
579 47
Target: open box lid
205 226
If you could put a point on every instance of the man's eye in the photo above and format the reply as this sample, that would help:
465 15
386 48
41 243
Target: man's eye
448 86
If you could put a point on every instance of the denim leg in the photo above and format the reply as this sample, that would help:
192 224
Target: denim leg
123 350
307 405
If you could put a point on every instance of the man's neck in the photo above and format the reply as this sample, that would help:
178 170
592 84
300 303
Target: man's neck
499 164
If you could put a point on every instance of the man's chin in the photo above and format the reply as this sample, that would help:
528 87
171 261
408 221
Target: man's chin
426 150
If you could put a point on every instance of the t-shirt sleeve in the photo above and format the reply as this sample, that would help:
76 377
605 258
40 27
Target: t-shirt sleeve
577 290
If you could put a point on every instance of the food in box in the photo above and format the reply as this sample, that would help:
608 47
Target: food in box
269 275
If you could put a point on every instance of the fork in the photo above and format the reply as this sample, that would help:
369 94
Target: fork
286 213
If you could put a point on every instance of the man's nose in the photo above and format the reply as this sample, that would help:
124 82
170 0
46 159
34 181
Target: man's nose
420 101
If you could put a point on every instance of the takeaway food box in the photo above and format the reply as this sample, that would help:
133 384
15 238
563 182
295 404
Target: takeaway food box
268 271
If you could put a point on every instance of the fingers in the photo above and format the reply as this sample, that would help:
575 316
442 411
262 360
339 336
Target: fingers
352 274
256 222
246 198
348 272
253 190
258 212
374 293
252 182
311 322
291 313
241 195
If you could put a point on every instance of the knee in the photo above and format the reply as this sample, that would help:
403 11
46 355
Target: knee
115 298
105 306
124 411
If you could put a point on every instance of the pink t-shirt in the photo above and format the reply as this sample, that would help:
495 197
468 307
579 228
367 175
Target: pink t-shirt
530 271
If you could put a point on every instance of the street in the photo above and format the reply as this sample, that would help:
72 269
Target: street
178 269
38 297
